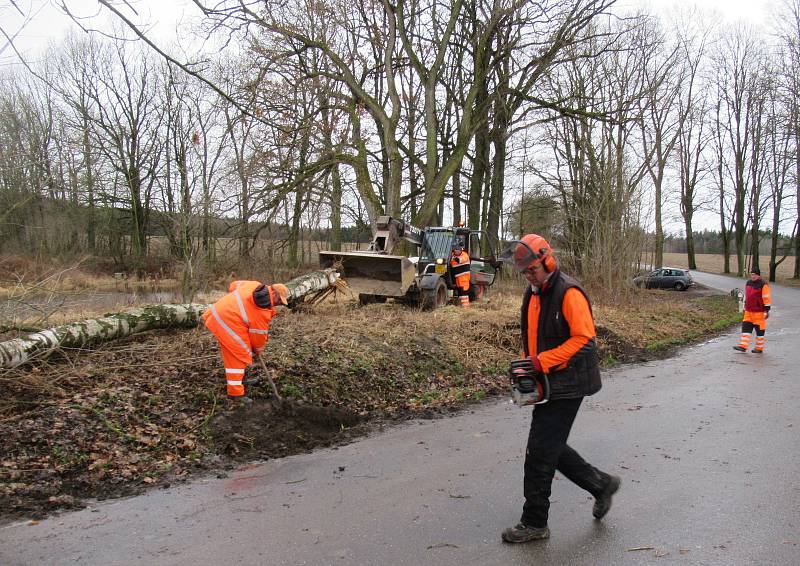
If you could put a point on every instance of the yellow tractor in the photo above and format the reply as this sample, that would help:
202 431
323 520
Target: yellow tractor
423 280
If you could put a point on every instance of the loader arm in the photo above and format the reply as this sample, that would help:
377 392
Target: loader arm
389 232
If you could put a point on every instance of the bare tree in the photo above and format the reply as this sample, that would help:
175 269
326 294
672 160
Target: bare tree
788 26
737 65
660 121
693 137
127 120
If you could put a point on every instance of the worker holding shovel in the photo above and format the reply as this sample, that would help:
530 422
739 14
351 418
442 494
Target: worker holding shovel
240 322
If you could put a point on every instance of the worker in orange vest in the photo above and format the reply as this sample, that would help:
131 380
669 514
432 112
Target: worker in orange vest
757 303
240 322
459 267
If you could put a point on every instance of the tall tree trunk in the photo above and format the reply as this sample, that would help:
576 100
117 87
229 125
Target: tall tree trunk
336 209
796 273
91 222
499 142
690 254
659 255
457 197
479 167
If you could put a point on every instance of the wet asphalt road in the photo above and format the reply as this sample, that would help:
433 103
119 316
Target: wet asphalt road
706 443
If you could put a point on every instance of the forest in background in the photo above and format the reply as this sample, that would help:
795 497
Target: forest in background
566 118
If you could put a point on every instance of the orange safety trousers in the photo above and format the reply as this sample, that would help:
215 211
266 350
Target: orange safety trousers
462 280
241 327
753 320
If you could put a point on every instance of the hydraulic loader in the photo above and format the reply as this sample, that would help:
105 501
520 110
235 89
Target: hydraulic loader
423 280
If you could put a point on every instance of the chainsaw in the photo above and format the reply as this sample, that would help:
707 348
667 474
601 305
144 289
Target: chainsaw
528 386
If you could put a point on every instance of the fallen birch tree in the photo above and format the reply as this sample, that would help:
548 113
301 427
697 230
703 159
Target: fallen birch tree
113 326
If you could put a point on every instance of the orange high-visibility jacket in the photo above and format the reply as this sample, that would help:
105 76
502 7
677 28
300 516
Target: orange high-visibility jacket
460 267
238 323
757 296
581 325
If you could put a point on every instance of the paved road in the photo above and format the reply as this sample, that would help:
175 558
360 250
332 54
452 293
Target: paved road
706 443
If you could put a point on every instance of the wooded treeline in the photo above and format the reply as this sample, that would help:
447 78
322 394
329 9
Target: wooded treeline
563 117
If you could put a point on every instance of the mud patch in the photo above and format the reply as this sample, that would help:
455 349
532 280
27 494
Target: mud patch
614 349
267 429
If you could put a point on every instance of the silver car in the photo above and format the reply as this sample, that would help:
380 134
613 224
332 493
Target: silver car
665 278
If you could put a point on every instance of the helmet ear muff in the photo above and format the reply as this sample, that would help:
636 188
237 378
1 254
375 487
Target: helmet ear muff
547 259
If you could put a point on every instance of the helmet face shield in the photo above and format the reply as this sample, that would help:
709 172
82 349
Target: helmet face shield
518 255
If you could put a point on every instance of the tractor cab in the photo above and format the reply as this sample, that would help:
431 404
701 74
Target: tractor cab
436 250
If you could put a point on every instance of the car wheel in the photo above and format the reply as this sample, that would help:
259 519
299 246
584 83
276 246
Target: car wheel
679 286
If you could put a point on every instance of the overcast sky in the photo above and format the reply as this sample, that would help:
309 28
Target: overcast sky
50 24
47 22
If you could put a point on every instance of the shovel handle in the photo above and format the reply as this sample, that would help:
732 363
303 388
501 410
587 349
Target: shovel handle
269 377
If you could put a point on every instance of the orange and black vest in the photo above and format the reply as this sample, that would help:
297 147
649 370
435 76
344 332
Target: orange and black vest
460 267
753 299
581 377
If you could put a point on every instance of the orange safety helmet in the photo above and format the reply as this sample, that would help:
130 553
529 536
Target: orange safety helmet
531 251
282 294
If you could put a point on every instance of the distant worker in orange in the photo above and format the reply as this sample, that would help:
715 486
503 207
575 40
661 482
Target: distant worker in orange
240 321
459 267
757 302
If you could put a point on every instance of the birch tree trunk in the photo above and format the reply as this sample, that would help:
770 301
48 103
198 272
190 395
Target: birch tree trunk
95 330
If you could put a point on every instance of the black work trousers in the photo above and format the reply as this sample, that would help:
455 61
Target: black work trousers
547 452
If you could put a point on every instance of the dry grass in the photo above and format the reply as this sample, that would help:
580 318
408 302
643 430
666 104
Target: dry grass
713 263
110 419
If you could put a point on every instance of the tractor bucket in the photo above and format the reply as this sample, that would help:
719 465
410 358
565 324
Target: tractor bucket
371 273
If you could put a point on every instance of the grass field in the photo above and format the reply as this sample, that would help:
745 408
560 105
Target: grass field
713 263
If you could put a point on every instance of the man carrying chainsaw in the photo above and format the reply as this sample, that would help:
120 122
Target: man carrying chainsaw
240 322
460 268
559 350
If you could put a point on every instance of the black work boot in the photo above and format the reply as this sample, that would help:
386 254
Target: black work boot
523 533
602 502
739 349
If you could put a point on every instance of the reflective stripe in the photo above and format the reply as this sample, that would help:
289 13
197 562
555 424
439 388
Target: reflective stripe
241 307
231 382
232 370
258 331
460 270
229 330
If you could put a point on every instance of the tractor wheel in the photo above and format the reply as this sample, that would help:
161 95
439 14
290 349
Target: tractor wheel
477 292
434 298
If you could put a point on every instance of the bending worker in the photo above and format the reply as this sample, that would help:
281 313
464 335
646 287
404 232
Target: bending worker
558 335
240 322
757 302
459 267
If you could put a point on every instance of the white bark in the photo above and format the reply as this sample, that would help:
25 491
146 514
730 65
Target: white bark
311 283
110 327
93 330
